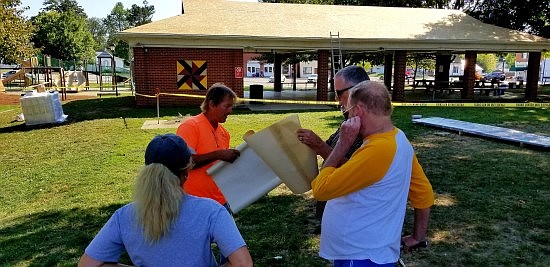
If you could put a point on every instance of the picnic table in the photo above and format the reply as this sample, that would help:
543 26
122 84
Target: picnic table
497 87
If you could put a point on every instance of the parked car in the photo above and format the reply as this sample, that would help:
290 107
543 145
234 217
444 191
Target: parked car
8 74
272 79
312 78
497 75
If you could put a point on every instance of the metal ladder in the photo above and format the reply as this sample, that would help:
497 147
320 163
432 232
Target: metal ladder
336 57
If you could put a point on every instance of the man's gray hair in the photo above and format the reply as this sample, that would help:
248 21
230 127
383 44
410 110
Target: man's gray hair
374 96
353 75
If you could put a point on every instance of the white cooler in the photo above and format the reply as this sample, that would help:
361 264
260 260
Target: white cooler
42 108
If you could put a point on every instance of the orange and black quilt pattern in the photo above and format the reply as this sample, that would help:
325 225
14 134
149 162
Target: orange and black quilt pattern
191 75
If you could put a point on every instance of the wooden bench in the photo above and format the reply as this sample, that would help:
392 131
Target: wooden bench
102 93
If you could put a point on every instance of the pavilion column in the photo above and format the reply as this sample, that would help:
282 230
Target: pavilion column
388 62
442 66
277 86
469 75
533 69
398 93
322 72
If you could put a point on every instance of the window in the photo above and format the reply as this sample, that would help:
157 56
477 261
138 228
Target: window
308 70
455 69
524 55
268 69
249 69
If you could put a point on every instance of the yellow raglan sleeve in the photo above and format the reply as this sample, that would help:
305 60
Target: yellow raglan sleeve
371 162
421 193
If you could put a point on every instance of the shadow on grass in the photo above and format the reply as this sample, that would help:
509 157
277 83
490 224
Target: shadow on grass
121 107
103 108
51 238
281 230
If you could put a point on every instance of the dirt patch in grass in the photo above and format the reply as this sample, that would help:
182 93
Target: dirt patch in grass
13 99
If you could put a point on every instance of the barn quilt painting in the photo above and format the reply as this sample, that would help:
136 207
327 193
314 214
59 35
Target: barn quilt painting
191 75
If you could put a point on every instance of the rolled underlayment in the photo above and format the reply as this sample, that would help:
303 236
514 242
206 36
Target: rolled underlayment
245 180
279 147
276 153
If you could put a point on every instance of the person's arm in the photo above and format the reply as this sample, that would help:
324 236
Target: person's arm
87 261
240 258
313 141
420 226
229 155
348 132
188 130
422 198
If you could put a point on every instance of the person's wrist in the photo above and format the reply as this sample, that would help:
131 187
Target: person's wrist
418 238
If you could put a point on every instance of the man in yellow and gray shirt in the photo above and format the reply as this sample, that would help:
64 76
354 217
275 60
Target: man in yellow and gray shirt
367 194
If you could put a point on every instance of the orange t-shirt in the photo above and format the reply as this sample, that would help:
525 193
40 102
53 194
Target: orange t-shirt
203 138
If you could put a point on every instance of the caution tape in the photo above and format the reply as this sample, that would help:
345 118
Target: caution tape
475 105
81 86
395 104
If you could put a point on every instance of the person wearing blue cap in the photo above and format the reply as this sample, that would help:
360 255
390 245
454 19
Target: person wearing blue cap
164 226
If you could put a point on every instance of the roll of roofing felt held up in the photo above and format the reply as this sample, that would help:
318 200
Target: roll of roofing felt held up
293 162
245 180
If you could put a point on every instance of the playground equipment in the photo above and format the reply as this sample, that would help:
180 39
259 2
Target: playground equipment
75 80
106 55
20 74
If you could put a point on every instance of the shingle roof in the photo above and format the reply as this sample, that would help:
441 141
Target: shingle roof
266 26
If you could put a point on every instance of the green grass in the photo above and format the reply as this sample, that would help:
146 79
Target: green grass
60 183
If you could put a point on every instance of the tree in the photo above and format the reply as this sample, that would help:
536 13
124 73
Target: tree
116 21
99 33
63 31
138 15
15 33
121 19
62 6
531 16
487 61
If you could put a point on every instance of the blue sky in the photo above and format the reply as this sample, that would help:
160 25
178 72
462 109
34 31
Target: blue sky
101 8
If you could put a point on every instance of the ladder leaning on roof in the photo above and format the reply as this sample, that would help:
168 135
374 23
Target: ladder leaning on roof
336 56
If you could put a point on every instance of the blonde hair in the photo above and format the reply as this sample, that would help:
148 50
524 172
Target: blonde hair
157 197
217 94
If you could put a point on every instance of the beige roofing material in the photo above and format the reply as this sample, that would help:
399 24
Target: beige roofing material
266 26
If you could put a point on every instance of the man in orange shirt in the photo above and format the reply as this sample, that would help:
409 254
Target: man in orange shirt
210 142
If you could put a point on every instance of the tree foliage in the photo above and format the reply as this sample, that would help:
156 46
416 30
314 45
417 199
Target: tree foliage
121 19
15 33
139 15
532 16
487 61
62 6
63 31
99 33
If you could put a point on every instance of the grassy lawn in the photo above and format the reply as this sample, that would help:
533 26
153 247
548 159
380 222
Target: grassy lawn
60 183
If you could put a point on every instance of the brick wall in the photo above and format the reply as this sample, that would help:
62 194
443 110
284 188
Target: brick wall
322 70
400 67
156 68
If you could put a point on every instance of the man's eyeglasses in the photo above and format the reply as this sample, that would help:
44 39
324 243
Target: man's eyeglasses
339 93
350 108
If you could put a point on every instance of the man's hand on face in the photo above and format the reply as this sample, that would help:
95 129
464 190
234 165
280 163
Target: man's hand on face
349 130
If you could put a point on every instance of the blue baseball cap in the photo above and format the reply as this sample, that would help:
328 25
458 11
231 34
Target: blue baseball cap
169 150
